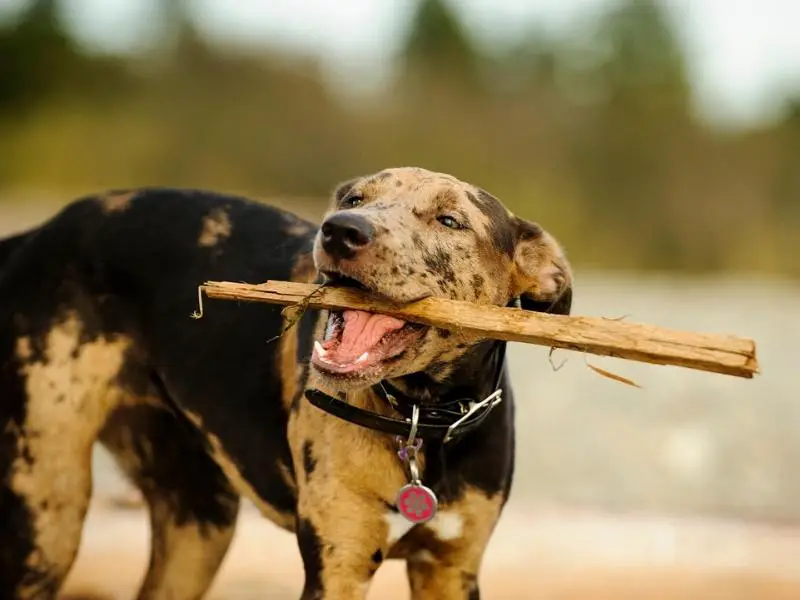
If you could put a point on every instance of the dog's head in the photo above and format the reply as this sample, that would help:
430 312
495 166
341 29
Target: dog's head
406 234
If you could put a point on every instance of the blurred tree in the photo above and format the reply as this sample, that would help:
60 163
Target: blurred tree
642 111
590 133
41 61
437 45
787 192
793 112
641 60
528 64
36 56
180 40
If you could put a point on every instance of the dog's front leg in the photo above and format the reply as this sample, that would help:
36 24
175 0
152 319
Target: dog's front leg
343 538
432 579
447 564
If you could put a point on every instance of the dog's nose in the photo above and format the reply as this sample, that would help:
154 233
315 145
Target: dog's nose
344 234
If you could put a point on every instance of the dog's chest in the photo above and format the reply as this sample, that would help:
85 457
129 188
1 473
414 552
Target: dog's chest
447 525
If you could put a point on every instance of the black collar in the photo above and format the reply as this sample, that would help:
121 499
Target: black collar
442 421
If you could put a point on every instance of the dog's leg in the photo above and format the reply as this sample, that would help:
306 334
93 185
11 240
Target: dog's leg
57 389
44 496
446 565
431 579
192 507
343 538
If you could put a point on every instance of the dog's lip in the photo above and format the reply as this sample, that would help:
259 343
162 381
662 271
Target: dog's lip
372 371
341 278
335 278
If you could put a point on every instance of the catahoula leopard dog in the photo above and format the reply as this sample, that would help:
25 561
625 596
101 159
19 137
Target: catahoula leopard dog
368 437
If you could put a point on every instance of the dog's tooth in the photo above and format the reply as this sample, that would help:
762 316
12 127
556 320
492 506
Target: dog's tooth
330 328
321 352
362 358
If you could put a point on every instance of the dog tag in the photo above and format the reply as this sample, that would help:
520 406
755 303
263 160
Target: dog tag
416 502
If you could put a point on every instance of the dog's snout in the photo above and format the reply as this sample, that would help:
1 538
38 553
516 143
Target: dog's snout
344 234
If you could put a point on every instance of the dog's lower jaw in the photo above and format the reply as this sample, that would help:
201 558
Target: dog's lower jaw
347 383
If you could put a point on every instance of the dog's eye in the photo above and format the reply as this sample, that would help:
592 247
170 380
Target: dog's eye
450 222
352 201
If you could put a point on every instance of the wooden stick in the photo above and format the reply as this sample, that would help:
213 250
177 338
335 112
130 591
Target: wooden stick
728 355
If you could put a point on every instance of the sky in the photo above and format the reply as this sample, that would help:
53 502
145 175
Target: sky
744 55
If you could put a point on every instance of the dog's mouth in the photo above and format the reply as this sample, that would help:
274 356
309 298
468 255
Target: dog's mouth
357 343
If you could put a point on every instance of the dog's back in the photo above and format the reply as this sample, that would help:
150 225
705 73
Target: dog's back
9 245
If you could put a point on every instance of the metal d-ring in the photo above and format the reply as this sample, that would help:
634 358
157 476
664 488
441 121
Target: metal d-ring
410 446
414 423
413 470
492 399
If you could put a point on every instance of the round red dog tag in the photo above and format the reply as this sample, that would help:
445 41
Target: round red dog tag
417 503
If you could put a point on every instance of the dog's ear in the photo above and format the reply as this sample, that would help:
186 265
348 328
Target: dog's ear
542 278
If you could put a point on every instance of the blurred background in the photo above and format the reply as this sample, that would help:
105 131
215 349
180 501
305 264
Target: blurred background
658 140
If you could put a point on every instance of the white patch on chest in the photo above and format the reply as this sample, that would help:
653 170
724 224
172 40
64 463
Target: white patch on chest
447 525
398 526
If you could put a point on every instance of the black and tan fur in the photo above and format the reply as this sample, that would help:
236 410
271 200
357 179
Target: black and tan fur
97 343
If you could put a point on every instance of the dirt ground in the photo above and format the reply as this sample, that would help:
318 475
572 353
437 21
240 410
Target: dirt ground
554 555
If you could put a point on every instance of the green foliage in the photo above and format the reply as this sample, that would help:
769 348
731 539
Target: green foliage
438 44
590 134
641 59
41 64
36 54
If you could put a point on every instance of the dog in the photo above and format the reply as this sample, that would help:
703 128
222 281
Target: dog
368 437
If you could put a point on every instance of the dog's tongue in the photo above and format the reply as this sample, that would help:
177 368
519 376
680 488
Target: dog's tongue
362 331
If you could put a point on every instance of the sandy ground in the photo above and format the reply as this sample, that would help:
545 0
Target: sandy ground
550 555
687 444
